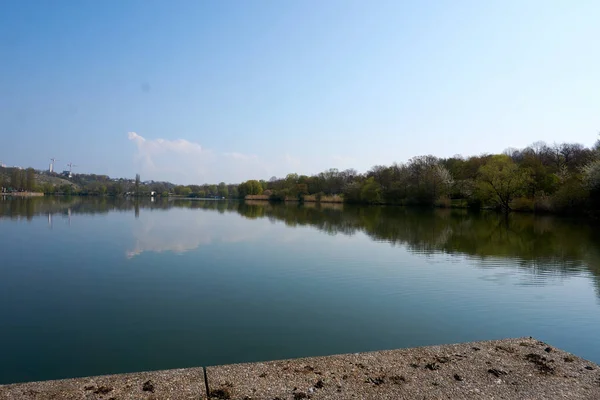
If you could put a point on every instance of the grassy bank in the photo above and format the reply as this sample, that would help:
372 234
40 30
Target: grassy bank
305 199
23 194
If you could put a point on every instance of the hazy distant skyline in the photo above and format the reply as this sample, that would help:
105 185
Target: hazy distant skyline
209 91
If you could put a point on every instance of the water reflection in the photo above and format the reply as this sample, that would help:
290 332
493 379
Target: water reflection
298 280
180 231
174 231
541 244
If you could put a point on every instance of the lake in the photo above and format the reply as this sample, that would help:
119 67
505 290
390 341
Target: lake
97 285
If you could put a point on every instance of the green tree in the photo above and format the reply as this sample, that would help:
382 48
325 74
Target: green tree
22 180
116 189
30 184
440 181
291 180
66 189
264 184
352 192
302 189
371 191
15 178
243 189
48 188
251 187
137 184
571 196
223 191
501 180
591 177
213 190
195 188
182 190
256 187
541 180
428 179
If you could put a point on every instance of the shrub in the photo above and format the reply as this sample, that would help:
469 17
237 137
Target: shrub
522 204
571 197
543 203
278 195
443 202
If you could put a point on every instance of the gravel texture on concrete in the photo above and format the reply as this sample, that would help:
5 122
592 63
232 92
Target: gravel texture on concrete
176 384
503 369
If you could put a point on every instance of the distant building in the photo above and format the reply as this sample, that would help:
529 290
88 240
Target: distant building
68 174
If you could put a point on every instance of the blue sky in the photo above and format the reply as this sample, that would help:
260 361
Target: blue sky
209 91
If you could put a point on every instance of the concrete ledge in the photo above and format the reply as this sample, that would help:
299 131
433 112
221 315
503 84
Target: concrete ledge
176 384
503 369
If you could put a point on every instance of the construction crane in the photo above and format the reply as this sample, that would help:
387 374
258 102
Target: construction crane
71 165
52 161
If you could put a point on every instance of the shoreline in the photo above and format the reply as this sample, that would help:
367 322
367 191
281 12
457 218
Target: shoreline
510 369
23 194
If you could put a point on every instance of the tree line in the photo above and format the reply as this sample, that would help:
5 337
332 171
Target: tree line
17 179
562 178
541 177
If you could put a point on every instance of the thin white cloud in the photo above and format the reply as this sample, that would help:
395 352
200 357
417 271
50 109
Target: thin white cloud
134 136
158 146
184 162
163 159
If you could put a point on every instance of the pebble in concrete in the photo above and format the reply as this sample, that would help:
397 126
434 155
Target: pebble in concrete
506 369
176 384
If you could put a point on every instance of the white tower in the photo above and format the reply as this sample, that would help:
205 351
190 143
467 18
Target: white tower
51 167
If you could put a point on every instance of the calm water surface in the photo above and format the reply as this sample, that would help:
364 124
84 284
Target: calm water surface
97 286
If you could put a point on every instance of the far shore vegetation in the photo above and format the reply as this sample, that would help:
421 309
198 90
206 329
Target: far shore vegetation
560 178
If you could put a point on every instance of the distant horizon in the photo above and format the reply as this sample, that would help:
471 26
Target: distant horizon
61 171
220 91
